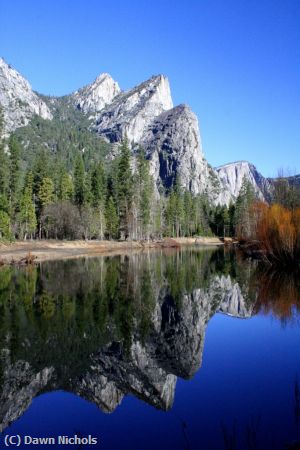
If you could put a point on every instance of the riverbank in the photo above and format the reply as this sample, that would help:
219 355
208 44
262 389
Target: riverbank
52 250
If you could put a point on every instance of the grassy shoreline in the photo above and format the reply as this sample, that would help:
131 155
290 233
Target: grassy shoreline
46 250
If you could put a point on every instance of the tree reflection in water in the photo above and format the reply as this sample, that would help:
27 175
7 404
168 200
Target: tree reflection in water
106 327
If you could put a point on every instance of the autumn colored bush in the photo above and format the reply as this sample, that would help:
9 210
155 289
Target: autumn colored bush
276 230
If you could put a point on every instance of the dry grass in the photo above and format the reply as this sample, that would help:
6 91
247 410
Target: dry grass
52 249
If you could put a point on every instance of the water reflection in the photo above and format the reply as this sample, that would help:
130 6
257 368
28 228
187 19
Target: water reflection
106 327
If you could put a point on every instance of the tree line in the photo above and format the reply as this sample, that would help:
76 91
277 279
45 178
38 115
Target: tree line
84 198
88 197
93 200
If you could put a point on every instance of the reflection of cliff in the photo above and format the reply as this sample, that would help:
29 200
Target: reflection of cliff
19 385
103 328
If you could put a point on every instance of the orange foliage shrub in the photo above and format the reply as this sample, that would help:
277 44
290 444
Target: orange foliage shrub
277 229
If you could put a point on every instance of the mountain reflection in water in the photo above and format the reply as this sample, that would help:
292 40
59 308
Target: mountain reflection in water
107 327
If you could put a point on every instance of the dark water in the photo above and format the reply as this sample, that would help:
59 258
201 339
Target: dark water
193 349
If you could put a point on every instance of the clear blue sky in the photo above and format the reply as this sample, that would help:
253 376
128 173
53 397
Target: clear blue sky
235 62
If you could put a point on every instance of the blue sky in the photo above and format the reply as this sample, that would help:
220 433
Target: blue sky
235 62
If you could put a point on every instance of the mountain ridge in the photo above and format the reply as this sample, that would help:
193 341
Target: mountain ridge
143 115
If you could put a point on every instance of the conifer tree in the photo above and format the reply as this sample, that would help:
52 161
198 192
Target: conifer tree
124 190
189 214
87 195
79 181
242 209
157 211
143 191
41 169
170 214
179 208
14 170
226 221
112 220
66 188
27 220
4 225
98 195
98 185
27 217
231 212
46 192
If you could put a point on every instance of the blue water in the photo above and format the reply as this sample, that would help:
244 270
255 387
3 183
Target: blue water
244 393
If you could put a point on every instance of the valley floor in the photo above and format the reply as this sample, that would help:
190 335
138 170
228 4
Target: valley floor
53 249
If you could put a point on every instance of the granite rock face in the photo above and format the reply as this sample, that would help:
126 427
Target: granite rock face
18 100
232 175
131 112
173 144
144 115
97 95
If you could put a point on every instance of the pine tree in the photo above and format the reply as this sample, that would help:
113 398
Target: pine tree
231 212
217 216
4 225
189 214
27 220
179 208
66 188
26 216
112 220
226 221
14 169
46 192
143 191
98 195
41 169
170 214
242 209
124 190
29 182
79 181
87 195
158 218
98 185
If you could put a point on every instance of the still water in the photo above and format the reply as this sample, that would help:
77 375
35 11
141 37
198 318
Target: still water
181 349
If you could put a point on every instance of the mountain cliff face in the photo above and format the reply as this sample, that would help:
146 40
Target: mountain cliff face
97 95
143 115
18 100
233 174
131 112
172 141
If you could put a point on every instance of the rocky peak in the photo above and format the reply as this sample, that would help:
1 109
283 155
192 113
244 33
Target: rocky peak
232 175
18 100
97 95
173 145
143 114
131 112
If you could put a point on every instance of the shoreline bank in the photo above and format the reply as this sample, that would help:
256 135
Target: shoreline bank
46 250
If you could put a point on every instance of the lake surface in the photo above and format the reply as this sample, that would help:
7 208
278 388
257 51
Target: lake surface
176 349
